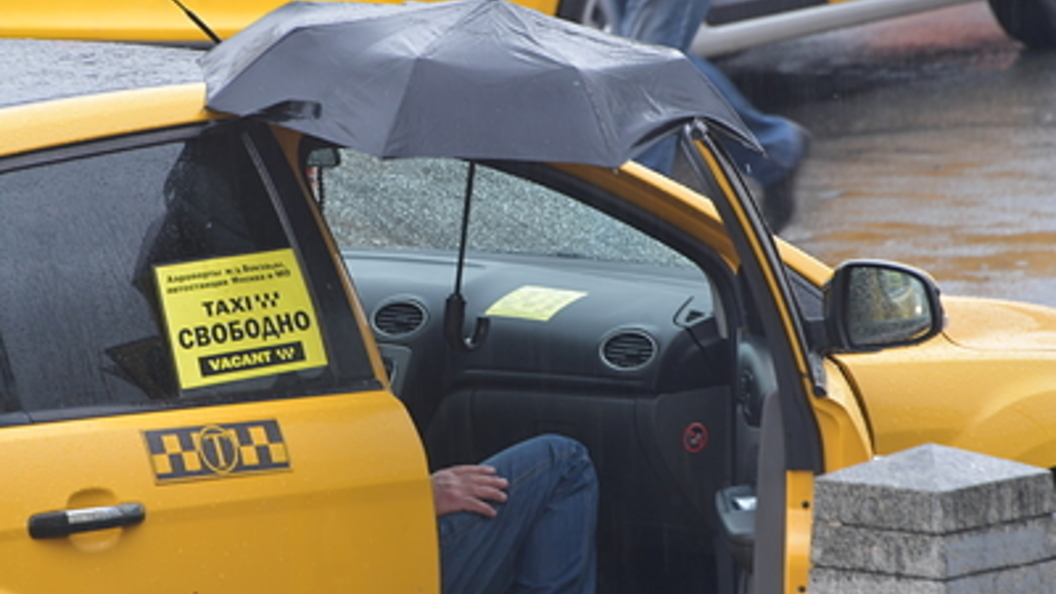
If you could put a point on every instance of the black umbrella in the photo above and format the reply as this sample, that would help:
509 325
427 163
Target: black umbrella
474 79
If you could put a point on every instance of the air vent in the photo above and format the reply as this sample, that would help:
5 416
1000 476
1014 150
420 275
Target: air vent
399 318
628 349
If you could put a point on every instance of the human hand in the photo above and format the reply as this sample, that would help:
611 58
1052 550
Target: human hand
467 488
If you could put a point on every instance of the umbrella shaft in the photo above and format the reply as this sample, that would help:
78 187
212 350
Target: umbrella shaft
463 237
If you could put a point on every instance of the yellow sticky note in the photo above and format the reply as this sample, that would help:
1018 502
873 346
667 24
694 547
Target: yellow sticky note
533 303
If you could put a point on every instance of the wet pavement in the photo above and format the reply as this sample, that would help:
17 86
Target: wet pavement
933 145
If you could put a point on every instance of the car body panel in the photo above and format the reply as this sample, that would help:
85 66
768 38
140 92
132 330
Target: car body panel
224 531
994 402
841 418
999 325
35 126
148 20
983 377
799 521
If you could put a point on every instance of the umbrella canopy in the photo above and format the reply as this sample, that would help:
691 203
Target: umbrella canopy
474 79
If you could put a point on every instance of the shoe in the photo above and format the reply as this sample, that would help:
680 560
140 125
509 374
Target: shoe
779 202
779 198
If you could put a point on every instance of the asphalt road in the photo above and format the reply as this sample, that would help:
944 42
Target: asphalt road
933 146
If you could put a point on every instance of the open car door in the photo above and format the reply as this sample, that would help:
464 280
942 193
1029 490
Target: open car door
809 422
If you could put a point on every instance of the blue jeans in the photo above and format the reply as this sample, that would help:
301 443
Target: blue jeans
543 539
674 23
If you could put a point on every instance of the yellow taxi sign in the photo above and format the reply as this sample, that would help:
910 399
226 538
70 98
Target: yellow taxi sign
239 317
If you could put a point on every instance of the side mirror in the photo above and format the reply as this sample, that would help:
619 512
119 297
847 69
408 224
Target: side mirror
872 305
324 157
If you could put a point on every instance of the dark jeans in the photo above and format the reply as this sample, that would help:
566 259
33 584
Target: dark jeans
673 23
543 539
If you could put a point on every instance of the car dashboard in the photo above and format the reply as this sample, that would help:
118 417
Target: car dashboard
591 325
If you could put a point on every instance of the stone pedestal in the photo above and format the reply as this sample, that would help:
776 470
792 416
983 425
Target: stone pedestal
934 520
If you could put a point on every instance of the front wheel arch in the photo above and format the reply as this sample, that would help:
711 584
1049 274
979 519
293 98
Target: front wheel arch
1032 22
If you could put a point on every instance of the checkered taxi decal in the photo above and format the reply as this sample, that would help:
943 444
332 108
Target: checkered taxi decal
216 451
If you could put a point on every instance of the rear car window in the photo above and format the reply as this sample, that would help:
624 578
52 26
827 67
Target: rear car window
165 270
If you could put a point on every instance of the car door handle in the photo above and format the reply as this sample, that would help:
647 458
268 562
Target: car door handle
56 524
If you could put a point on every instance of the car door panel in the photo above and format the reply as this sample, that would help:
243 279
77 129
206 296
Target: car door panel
264 495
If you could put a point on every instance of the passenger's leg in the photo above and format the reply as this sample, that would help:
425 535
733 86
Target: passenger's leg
543 537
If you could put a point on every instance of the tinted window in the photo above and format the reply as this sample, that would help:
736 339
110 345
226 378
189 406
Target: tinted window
151 274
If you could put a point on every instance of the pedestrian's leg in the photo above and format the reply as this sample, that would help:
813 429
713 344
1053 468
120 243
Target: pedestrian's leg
551 503
671 23
783 140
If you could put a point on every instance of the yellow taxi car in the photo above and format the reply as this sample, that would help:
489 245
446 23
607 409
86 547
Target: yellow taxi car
224 362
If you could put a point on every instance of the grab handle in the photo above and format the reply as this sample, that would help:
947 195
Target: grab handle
56 524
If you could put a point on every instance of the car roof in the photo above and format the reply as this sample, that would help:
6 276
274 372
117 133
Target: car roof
41 70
